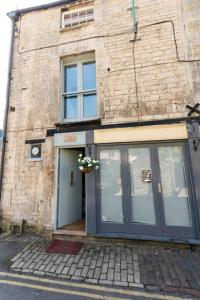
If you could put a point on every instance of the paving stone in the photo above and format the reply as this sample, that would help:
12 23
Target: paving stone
84 271
136 266
91 280
40 273
104 268
59 260
117 276
16 263
111 263
63 276
65 259
153 288
77 258
90 273
70 262
97 273
88 261
53 269
109 282
65 270
35 255
72 269
130 271
27 264
77 272
31 267
77 278
53 275
42 267
136 285
21 264
120 283
47 260
38 258
60 268
49 266
137 276
26 254
81 263
93 264
135 257
99 262
55 257
110 274
124 275
131 278
16 257
27 271
123 265
28 257
39 263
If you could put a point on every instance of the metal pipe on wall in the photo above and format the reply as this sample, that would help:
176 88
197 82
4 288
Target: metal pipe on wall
134 17
13 19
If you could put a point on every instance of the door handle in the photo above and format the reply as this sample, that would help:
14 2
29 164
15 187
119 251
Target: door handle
159 188
71 178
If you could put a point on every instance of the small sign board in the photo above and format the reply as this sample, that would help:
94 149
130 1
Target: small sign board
70 139
147 175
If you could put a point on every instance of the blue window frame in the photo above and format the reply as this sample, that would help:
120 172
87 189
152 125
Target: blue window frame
79 91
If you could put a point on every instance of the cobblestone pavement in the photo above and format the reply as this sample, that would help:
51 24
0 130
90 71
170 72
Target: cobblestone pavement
155 268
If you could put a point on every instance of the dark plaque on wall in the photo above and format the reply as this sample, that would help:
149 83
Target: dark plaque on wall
146 175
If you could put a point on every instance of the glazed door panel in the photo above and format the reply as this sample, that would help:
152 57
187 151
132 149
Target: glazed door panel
111 186
175 195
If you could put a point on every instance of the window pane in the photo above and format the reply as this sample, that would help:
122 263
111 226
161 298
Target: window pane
71 79
89 76
111 186
174 187
143 210
90 105
71 108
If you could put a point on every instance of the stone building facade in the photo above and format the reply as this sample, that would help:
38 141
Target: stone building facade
136 124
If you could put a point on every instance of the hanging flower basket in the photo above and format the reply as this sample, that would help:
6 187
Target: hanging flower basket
87 165
86 170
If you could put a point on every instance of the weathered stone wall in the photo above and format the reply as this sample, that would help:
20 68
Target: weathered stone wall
142 77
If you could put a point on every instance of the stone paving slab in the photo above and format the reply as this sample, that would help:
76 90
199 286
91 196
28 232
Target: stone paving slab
155 268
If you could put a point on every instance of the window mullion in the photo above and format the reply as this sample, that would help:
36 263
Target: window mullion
81 88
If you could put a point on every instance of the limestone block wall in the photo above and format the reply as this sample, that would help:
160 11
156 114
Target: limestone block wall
140 77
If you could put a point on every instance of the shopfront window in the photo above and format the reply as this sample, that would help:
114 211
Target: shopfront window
111 186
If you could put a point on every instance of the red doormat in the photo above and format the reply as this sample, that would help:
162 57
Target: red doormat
66 247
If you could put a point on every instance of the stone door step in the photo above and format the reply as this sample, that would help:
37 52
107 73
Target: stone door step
69 232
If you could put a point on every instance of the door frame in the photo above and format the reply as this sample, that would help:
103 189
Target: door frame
57 170
119 228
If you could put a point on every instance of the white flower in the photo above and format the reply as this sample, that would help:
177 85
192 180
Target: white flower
79 160
89 165
80 155
97 167
81 168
